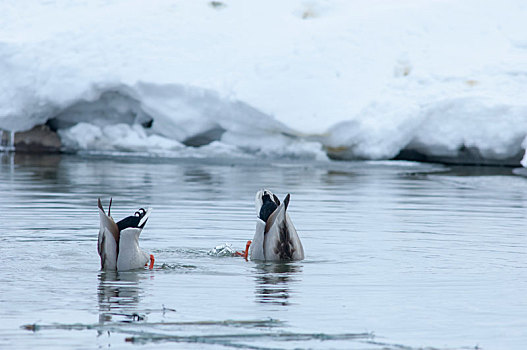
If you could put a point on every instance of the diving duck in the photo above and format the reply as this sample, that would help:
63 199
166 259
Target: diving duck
118 243
275 238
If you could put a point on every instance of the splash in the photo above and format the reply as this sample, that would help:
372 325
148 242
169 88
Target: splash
222 250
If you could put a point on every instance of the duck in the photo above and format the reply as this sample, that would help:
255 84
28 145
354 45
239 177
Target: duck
275 238
118 243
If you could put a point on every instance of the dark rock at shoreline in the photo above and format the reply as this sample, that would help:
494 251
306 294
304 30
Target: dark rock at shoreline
39 139
465 156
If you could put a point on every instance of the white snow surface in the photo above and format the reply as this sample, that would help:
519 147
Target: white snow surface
354 78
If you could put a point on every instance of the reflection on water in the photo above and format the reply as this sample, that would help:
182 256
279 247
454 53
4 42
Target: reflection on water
200 175
39 168
118 296
274 282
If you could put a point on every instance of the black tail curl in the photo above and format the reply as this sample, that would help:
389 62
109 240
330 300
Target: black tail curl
132 221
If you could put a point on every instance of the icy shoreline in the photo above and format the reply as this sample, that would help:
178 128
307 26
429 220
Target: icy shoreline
438 80
140 119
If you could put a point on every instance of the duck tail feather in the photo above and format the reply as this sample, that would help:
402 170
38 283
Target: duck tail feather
276 200
286 200
110 206
99 204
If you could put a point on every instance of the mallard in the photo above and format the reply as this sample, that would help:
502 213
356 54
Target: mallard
275 238
118 243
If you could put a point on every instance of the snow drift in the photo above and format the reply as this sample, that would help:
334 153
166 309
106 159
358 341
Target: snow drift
439 80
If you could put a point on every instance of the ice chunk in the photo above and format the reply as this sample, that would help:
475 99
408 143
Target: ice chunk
114 137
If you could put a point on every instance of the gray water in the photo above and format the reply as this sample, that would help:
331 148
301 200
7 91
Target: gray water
399 255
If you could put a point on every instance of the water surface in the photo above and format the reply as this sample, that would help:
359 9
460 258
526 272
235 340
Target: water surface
397 254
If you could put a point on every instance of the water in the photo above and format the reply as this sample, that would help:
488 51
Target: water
398 256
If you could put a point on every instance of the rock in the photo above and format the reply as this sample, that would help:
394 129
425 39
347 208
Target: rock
205 138
465 156
39 139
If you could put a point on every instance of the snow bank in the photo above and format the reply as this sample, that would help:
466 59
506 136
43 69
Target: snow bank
352 79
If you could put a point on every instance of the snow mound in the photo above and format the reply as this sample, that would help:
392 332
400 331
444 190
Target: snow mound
358 79
164 120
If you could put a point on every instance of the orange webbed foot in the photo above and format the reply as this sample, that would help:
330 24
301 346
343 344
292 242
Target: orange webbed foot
152 260
244 253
